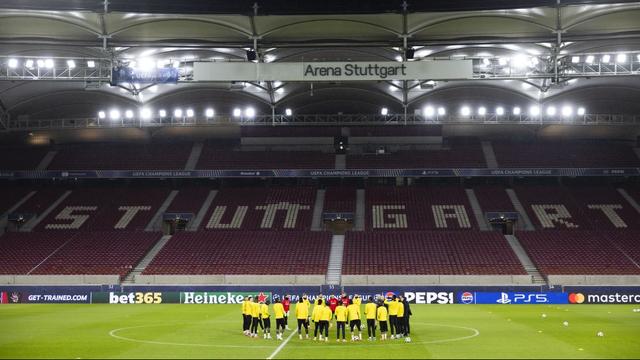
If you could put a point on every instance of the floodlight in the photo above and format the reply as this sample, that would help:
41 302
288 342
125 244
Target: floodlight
428 111
486 62
71 64
516 110
465 111
40 63
128 114
48 63
190 113
177 113
482 111
13 63
249 112
534 110
384 111
575 59
589 59
29 64
162 113
145 113
567 111
209 113
499 111
91 64
551 111
581 111
237 112
519 61
621 58
114 114
503 61
288 112
102 114
441 111
606 58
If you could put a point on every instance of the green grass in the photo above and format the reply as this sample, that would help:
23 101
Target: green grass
214 331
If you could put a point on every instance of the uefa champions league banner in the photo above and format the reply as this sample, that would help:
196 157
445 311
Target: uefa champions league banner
294 173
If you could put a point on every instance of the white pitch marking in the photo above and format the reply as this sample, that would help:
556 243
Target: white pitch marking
277 350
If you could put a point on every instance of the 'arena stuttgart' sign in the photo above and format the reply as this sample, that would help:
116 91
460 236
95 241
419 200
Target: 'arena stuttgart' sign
333 71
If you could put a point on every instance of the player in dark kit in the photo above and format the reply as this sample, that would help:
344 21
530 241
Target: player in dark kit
333 303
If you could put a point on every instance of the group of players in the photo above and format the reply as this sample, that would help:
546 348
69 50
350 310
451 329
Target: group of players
390 313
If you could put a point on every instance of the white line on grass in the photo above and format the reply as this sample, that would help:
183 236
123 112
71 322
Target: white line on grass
277 350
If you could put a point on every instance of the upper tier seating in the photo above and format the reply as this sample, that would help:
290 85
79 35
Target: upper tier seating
21 158
459 156
290 131
189 199
212 158
41 200
565 155
243 252
396 130
437 252
575 252
416 208
10 196
122 156
277 208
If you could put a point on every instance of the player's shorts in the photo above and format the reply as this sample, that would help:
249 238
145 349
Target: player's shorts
354 323
280 323
383 326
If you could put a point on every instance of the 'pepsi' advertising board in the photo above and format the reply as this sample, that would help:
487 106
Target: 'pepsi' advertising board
512 298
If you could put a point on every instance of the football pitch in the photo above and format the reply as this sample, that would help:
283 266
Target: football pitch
215 331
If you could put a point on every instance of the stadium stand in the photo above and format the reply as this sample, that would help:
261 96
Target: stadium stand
408 130
458 156
41 201
493 198
106 209
21 252
605 207
575 252
21 158
429 252
212 158
278 208
290 131
418 208
552 207
10 195
569 154
122 156
98 253
189 199
340 199
243 252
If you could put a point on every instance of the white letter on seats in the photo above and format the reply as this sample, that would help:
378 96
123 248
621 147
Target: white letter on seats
379 217
67 214
236 221
129 213
459 213
610 212
270 214
559 215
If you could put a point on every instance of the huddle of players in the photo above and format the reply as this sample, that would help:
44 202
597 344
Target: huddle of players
392 313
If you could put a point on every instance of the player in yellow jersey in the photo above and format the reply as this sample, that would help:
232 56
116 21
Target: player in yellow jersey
325 317
255 318
382 316
266 319
246 315
353 312
302 314
357 299
392 305
370 312
341 320
305 299
278 312
315 317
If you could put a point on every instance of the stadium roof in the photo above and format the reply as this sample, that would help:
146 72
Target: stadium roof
287 31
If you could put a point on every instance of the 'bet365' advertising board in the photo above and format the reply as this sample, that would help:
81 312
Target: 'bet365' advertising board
175 297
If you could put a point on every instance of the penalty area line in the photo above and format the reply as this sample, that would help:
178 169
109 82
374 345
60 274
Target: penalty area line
277 350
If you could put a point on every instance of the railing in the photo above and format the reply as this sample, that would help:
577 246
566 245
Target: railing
324 119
